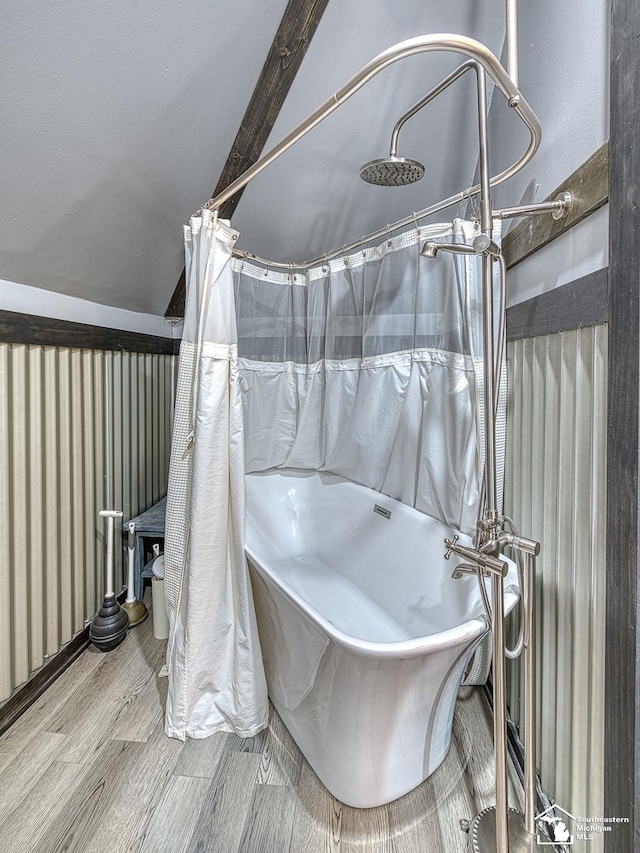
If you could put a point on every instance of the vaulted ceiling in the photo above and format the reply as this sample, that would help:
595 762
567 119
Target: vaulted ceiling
118 119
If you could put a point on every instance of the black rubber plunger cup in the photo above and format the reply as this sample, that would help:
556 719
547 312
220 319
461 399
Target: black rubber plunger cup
109 627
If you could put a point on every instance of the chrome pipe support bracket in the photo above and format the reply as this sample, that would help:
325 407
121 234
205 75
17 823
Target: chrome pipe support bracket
559 208
565 203
489 565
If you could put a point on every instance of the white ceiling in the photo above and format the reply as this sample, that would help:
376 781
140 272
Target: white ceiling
118 118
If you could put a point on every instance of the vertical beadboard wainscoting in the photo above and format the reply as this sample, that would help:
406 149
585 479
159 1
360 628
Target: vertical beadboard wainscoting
556 493
80 430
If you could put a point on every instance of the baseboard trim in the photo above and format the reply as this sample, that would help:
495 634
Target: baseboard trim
32 690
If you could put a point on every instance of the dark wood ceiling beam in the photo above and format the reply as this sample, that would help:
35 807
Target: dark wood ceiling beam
297 27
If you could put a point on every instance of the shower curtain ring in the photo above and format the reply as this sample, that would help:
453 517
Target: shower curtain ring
475 210
387 228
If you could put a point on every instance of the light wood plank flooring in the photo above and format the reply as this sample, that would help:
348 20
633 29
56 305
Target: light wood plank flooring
88 768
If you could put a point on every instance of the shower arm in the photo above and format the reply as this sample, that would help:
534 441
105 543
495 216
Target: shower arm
464 45
437 90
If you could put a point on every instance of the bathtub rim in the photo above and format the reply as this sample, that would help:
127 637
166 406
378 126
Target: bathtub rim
467 632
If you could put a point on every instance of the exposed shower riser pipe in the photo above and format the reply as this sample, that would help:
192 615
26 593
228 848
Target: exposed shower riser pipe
499 713
511 18
530 764
486 224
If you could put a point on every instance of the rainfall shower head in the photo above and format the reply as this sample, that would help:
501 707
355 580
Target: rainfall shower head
392 171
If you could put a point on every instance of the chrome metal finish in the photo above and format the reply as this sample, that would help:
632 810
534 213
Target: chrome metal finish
491 509
483 245
110 624
110 515
530 722
521 543
433 93
511 24
431 249
499 715
483 140
392 171
482 834
386 513
435 42
463 569
136 610
528 549
505 213
565 201
490 565
558 208
489 390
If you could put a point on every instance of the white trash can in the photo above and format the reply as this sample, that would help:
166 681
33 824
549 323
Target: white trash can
159 608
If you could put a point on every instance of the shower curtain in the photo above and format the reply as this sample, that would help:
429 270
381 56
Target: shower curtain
368 366
216 679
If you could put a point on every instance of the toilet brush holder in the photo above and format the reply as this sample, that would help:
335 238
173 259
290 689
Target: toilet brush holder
136 611
109 627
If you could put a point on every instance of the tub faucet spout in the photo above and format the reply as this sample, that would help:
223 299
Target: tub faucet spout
464 569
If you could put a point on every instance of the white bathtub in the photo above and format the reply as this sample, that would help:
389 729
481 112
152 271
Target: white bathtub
365 636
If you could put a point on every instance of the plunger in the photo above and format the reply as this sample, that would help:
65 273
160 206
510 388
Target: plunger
109 627
135 610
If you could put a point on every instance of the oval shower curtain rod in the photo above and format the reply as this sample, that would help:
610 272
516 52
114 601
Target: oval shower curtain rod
464 45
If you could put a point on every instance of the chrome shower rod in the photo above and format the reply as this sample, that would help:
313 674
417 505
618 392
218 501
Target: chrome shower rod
558 208
468 47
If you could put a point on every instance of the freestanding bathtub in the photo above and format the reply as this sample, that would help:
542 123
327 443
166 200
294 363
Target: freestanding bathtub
365 636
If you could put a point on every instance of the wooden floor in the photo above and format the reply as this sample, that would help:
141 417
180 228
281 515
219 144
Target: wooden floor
88 768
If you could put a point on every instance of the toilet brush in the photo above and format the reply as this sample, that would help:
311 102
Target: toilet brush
109 627
135 610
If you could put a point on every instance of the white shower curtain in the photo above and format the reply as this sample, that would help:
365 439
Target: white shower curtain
216 678
370 366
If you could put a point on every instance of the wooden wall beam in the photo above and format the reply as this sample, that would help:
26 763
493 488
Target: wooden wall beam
574 305
17 328
297 27
589 188
622 645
